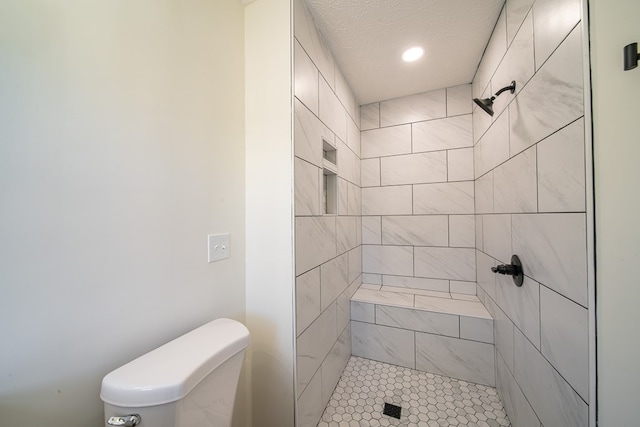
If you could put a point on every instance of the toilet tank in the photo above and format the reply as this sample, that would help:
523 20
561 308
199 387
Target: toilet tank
188 382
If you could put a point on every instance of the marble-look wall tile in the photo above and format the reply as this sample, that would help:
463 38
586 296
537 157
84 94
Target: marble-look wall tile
503 333
343 197
414 168
497 237
438 285
517 65
354 200
492 56
484 194
475 329
521 304
371 230
384 344
517 10
464 288
396 200
309 132
553 19
552 248
460 165
515 186
565 338
518 409
306 79
397 260
493 147
313 42
355 264
414 108
466 360
445 263
343 307
430 230
334 279
315 242
443 134
552 99
310 405
418 320
386 141
370 172
363 312
451 306
331 111
345 94
459 100
371 279
346 233
307 299
313 346
348 163
307 188
561 170
448 198
334 364
462 233
486 279
479 226
353 136
553 400
370 116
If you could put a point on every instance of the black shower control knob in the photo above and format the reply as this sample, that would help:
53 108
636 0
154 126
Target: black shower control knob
508 269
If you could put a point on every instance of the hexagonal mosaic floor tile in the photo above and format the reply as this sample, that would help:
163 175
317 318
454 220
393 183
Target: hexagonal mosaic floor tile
427 400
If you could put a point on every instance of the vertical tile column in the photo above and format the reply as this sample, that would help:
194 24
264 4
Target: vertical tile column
327 246
418 227
530 200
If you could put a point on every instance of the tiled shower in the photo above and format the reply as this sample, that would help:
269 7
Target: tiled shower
428 193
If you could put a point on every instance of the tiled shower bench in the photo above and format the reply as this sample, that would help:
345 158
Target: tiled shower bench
437 332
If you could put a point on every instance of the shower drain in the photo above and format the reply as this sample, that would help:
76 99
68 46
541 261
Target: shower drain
392 410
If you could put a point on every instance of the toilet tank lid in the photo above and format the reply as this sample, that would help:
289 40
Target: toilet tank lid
170 372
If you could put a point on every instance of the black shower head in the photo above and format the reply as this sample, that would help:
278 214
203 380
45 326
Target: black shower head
487 103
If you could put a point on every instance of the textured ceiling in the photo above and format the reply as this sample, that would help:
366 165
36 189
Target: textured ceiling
368 38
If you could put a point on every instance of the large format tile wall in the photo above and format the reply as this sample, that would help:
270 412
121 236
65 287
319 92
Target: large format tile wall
327 247
530 200
418 225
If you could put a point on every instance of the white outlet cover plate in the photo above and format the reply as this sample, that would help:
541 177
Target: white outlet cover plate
218 245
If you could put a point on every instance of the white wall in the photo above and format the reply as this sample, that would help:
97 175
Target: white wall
269 210
616 103
121 148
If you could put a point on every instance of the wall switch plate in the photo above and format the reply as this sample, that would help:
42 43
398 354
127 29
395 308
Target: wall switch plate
218 245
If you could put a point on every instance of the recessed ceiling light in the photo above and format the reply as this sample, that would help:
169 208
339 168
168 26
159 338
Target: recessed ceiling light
412 54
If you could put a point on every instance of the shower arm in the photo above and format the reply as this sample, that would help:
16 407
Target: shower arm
511 87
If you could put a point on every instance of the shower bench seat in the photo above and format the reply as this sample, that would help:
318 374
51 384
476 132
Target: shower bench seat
437 332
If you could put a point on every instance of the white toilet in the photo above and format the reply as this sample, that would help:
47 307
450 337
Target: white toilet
188 382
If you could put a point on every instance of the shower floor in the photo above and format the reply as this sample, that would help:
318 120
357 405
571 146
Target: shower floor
426 399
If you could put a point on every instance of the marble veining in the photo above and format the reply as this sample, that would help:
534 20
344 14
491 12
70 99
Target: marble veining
446 198
315 241
467 360
565 338
428 230
515 184
519 410
414 168
395 200
307 299
553 400
443 134
331 111
552 99
308 134
306 79
459 100
370 116
334 279
561 170
387 259
386 141
451 306
391 345
413 108
445 263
